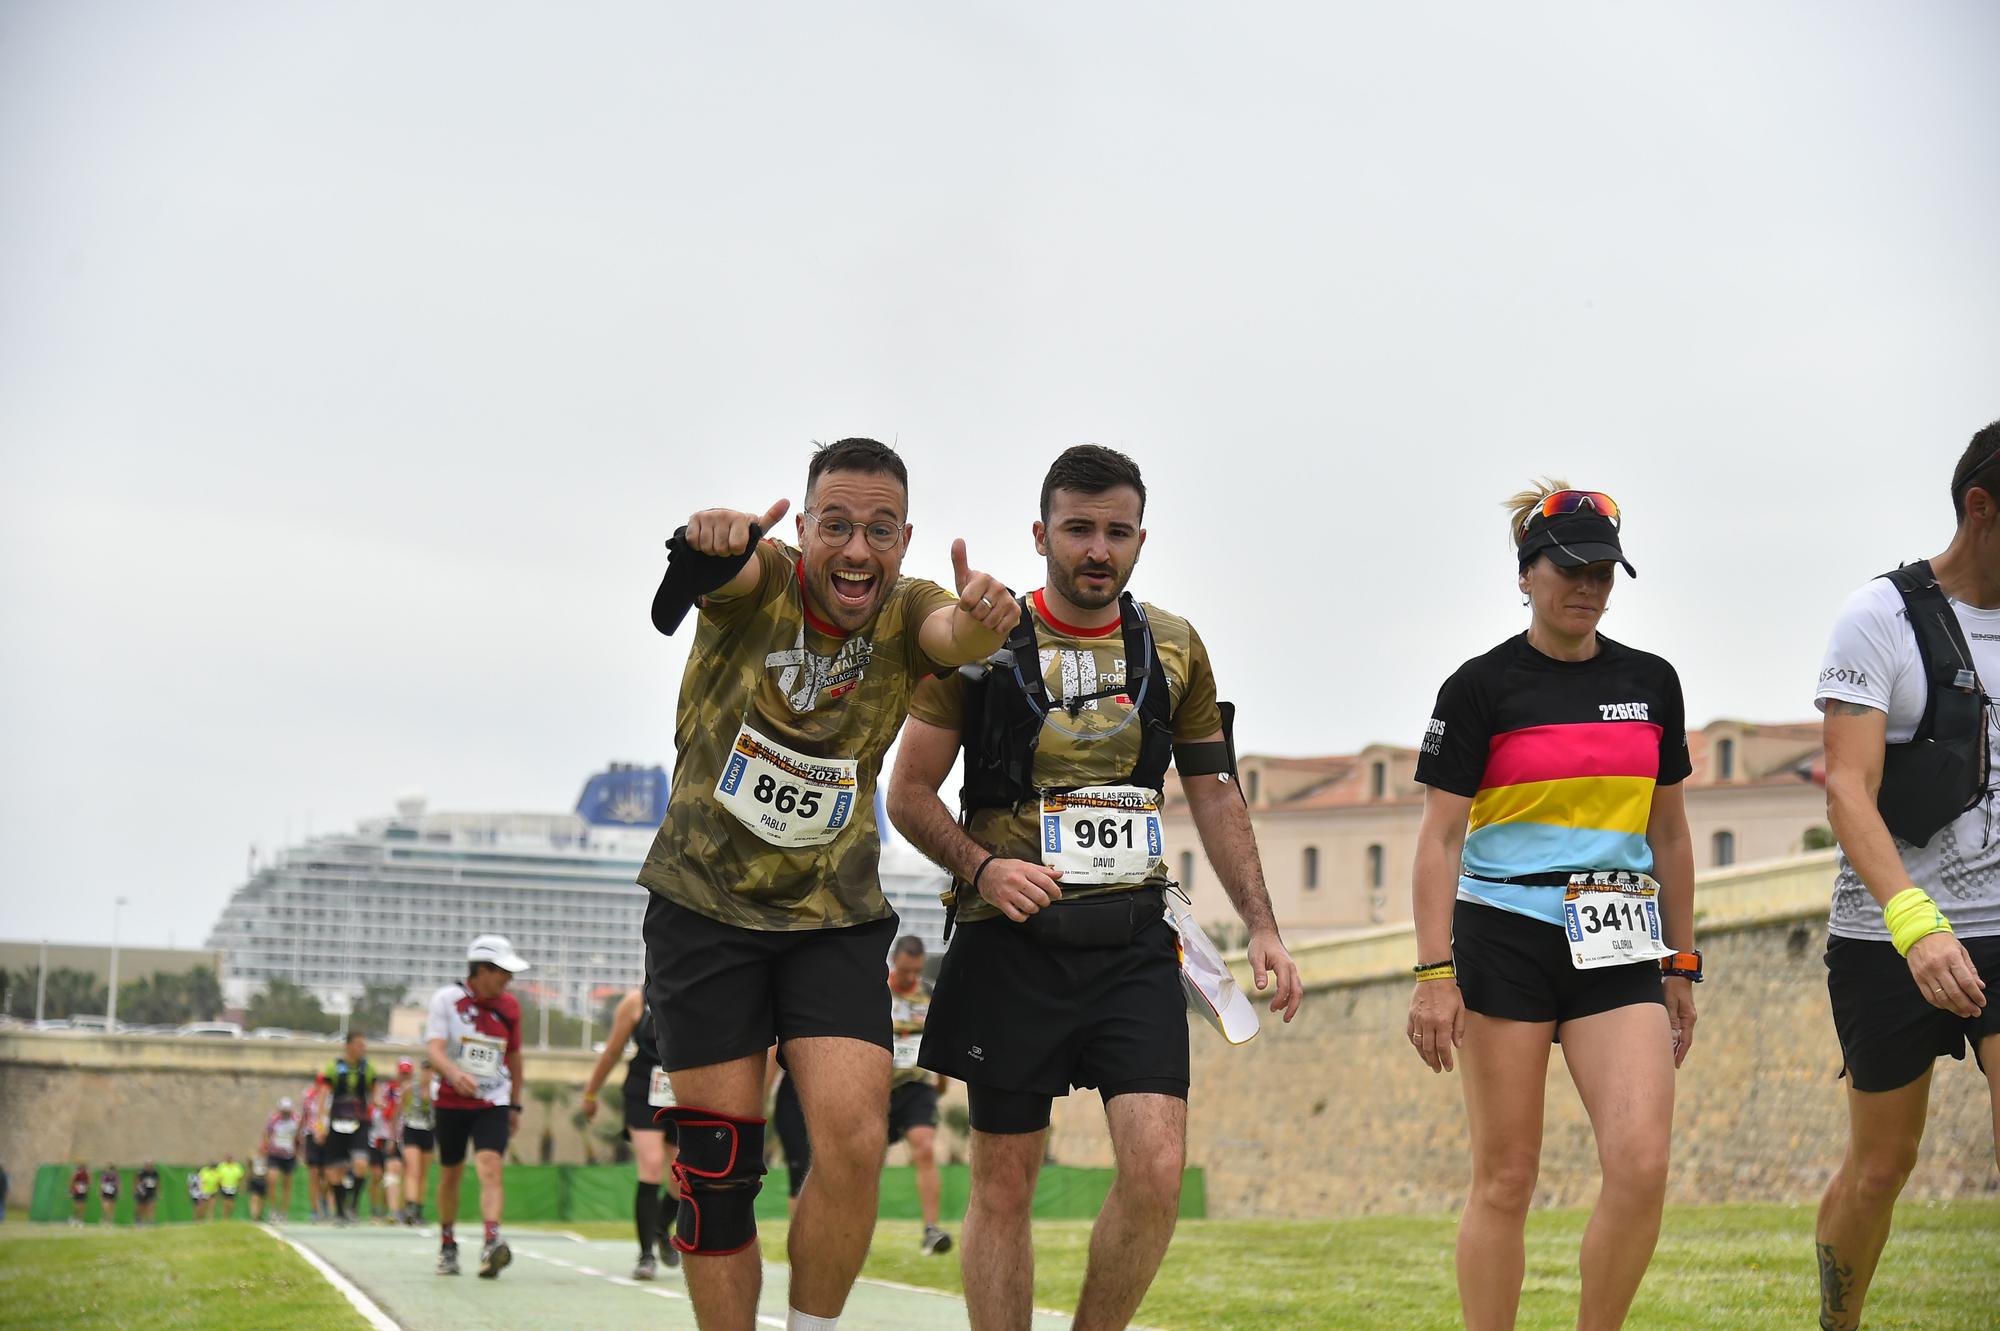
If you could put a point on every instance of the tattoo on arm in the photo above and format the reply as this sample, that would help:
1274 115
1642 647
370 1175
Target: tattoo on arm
1836 1283
1836 707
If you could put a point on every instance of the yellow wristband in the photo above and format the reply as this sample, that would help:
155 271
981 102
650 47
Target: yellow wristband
1442 972
1911 915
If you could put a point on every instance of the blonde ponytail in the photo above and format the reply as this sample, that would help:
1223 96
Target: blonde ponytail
1521 505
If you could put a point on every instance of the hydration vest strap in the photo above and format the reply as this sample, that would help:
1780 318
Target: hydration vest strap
1941 645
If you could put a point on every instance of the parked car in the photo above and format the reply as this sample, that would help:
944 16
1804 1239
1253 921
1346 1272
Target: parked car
227 1030
277 1033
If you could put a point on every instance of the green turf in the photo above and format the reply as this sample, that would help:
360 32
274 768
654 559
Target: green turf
1732 1268
196 1277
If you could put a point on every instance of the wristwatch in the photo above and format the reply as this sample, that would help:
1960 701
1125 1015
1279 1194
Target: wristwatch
1682 966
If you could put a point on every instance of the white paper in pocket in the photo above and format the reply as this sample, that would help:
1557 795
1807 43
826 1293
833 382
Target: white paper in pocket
1210 988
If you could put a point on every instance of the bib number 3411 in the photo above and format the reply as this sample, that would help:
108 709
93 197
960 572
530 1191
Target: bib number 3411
1612 919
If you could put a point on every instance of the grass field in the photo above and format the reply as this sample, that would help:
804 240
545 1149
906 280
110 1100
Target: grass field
176 1278
1732 1268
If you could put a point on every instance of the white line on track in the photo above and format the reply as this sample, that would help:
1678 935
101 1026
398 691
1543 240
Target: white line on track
657 1291
364 1305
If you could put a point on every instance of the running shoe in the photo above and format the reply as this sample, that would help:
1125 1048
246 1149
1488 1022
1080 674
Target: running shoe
493 1259
448 1260
645 1269
935 1241
670 1255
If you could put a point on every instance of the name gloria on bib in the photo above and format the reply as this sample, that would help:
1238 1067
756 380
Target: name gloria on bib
1612 919
787 798
1102 834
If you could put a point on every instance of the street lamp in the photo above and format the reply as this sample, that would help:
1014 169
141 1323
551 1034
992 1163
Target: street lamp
111 1008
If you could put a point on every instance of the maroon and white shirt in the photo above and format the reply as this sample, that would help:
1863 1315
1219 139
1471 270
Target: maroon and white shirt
388 1114
478 1035
281 1135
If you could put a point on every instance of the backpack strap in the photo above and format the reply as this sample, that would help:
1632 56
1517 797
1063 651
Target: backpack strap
1941 646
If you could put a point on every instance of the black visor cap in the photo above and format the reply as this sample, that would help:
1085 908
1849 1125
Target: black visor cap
1572 540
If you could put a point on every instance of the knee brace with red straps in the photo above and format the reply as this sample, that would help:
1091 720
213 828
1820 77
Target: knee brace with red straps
720 1170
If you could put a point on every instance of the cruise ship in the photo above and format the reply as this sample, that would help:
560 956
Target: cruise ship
395 901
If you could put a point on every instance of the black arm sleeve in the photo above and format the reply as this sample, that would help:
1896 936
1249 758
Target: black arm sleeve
692 575
1675 764
1452 756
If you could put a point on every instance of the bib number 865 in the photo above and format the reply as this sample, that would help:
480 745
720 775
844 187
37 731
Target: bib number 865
1103 832
786 798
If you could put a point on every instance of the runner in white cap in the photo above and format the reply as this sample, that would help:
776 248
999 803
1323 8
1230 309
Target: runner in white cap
280 1149
474 1039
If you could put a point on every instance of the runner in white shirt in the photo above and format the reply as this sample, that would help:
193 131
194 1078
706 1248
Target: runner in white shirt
474 1038
280 1147
1914 936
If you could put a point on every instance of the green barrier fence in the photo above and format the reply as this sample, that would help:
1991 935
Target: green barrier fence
545 1193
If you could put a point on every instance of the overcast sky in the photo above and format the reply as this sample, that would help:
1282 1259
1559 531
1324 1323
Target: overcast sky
356 360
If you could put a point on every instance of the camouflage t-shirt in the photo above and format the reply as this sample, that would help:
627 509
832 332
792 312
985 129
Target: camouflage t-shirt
906 1016
763 659
1077 662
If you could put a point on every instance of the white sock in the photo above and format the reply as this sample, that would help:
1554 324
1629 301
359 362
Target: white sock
798 1321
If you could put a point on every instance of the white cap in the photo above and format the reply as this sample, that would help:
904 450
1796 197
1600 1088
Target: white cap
284 1102
498 951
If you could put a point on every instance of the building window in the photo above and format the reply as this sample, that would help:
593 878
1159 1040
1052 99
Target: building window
1375 866
1725 849
1187 871
1250 787
1725 760
1312 867
1378 781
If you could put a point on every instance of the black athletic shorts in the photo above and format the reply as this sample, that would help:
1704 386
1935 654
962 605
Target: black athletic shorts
485 1128
1517 968
1013 1014
340 1148
376 1155
720 993
1889 1033
639 1114
281 1164
912 1105
259 1184
788 1116
315 1155
418 1138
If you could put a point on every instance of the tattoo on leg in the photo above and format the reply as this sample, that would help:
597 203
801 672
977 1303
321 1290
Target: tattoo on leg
1836 1283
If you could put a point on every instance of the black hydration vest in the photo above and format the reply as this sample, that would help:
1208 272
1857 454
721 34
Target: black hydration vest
1940 772
1003 726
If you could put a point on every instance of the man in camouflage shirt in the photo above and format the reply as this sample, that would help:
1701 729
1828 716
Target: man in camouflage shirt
767 920
1063 972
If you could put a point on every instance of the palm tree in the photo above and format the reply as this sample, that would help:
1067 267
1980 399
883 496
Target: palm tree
548 1094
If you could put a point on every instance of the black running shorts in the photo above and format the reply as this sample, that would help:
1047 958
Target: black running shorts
1015 1014
419 1139
1517 968
485 1128
720 993
912 1105
281 1164
1890 1034
341 1148
640 1115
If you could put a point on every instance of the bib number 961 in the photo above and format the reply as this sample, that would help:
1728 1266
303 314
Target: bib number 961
1102 834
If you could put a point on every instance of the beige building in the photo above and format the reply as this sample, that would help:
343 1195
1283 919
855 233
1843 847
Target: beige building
1338 834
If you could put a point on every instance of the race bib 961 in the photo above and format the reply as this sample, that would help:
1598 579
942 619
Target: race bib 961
1102 834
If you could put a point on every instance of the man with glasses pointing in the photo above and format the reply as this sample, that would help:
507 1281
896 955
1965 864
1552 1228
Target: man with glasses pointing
767 921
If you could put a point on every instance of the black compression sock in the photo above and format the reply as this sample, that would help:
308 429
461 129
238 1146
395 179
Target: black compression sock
646 1216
